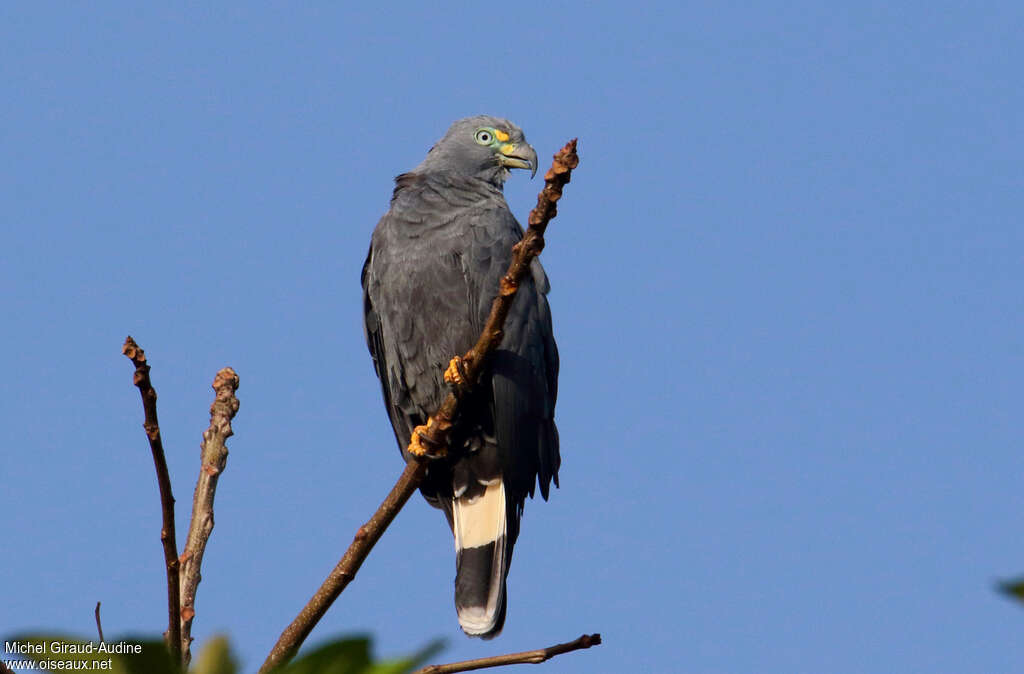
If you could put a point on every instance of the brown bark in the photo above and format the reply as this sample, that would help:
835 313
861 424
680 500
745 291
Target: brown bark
525 657
213 459
167 538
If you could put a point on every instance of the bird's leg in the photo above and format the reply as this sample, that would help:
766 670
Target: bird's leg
456 377
421 444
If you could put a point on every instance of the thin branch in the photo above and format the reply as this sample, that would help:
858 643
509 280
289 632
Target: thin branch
437 430
345 570
526 657
99 626
213 459
152 426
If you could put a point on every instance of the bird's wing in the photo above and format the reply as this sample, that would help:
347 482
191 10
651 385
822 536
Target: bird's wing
434 268
421 283
524 375
375 342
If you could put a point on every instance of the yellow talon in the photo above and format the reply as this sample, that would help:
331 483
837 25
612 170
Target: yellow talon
452 375
418 448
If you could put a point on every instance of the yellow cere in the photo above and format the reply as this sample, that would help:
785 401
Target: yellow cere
508 148
502 136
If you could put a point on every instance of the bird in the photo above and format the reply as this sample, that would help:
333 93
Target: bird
433 269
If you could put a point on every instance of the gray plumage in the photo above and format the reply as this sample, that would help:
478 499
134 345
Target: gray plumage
433 269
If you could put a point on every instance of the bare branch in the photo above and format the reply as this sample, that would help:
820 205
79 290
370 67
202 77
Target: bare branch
526 657
213 459
152 426
436 432
99 626
343 573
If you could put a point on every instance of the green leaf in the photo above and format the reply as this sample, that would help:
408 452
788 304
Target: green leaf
152 658
406 665
1012 588
344 656
352 656
216 658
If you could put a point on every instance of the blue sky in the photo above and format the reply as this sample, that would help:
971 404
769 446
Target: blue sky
787 289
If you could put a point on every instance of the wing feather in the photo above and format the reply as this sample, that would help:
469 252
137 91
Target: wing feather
434 267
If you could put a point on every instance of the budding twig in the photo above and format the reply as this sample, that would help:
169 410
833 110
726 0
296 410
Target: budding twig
152 426
213 459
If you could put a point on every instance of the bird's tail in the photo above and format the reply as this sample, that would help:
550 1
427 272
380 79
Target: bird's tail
481 538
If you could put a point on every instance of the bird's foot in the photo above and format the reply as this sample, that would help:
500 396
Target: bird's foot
421 444
456 377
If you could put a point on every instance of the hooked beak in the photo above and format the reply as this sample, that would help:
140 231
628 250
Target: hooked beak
518 155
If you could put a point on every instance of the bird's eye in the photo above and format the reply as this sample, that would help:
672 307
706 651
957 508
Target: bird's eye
484 137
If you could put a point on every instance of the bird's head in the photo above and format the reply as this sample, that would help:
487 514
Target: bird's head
481 147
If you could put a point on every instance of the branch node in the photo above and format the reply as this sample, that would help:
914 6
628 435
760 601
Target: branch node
509 286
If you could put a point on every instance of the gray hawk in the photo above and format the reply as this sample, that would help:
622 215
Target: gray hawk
434 266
